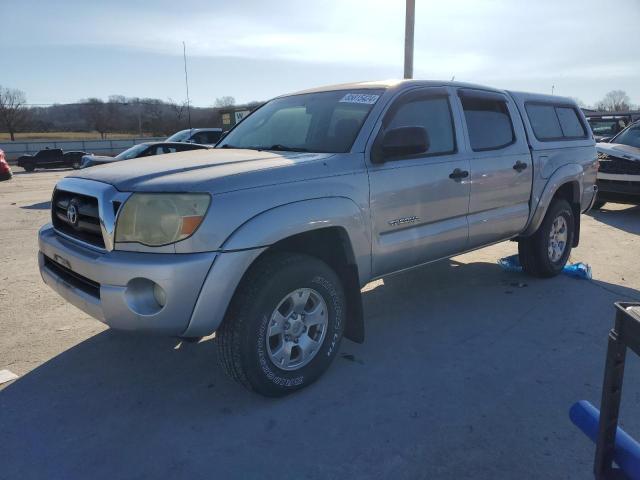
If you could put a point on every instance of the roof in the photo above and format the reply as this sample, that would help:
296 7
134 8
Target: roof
386 84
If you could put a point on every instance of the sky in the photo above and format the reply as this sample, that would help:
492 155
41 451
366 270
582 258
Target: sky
65 50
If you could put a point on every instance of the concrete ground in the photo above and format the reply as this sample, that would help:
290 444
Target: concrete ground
467 372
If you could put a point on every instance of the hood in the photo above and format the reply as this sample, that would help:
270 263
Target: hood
619 150
213 170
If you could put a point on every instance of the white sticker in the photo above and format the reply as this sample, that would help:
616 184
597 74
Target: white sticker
360 98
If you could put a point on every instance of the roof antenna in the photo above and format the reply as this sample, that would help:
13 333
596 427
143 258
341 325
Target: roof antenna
186 82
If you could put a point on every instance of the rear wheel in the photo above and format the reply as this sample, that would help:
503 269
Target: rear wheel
284 324
545 253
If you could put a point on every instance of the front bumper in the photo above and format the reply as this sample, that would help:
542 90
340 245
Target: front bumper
117 287
619 188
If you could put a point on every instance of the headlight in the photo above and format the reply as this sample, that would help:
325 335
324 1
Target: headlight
157 219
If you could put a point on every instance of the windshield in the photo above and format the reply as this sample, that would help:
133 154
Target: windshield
132 152
312 122
181 136
631 136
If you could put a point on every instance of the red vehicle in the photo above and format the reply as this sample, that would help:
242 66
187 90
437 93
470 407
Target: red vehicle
5 169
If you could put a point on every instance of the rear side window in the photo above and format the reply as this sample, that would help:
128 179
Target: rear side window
432 113
552 122
488 123
569 122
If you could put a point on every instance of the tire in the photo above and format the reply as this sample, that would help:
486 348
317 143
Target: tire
246 350
75 165
29 167
535 254
598 204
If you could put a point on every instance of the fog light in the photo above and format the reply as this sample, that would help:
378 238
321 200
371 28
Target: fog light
144 297
160 295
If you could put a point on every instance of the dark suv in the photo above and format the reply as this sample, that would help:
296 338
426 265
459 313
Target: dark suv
50 158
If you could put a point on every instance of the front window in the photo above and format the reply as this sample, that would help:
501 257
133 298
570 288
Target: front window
181 136
631 136
132 152
314 122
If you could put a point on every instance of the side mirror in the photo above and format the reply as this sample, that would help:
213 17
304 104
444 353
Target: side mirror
605 139
402 141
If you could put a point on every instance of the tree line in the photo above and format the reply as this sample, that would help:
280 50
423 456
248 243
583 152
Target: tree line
118 114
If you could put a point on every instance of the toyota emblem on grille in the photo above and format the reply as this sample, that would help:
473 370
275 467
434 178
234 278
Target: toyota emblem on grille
72 214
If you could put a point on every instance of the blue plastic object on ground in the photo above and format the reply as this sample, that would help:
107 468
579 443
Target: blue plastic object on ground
577 270
627 452
511 264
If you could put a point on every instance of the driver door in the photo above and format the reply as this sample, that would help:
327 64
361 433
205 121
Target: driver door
419 203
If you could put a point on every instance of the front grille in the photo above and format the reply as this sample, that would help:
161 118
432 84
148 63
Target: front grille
86 220
73 278
611 164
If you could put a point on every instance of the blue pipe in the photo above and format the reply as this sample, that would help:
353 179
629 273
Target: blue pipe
627 451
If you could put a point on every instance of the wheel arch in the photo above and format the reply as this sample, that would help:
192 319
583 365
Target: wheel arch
332 229
565 183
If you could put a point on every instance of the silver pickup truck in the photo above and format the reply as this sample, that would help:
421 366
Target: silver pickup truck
267 239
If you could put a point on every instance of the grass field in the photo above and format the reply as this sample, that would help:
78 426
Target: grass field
32 136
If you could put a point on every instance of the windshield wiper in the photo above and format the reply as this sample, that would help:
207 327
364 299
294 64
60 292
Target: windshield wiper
284 148
278 147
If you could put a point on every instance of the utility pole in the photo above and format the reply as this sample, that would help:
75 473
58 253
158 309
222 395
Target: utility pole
410 20
553 87
186 82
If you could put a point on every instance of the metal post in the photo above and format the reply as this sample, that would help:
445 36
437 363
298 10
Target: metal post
186 82
409 25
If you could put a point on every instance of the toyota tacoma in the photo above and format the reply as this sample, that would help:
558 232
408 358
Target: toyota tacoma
267 239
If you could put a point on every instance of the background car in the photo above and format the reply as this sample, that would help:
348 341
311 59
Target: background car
619 172
141 150
204 136
606 125
50 158
5 169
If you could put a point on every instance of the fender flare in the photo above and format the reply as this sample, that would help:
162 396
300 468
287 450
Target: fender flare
571 173
251 239
284 221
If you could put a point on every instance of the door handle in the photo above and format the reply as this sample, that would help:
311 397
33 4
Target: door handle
519 166
458 174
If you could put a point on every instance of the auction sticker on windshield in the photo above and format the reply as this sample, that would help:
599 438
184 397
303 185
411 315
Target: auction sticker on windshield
360 98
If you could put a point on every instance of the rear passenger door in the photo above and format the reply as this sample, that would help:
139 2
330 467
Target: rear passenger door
419 202
500 166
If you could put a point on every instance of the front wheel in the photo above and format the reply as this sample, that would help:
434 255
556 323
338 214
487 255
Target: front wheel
284 324
29 167
545 253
